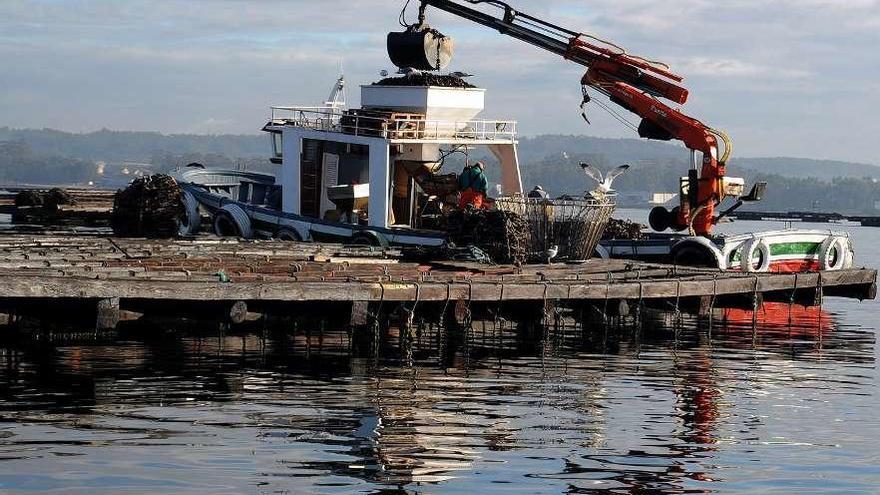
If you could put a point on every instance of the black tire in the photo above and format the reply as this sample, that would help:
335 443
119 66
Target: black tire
367 238
695 256
659 219
190 222
225 226
232 221
288 234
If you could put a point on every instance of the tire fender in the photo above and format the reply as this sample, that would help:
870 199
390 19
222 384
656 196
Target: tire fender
753 247
702 243
844 253
288 234
239 219
369 238
191 221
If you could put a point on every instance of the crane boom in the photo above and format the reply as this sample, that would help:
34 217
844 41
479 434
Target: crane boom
633 82
569 44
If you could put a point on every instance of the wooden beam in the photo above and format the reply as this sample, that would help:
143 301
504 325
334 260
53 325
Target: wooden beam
21 286
107 313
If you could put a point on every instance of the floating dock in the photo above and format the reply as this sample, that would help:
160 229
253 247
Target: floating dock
806 216
96 277
83 207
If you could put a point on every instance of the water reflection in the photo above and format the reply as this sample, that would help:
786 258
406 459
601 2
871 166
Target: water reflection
664 405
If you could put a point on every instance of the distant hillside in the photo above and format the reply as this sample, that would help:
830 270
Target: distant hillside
49 156
615 151
803 167
118 146
612 152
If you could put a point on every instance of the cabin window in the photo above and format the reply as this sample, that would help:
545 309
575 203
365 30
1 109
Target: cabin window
277 145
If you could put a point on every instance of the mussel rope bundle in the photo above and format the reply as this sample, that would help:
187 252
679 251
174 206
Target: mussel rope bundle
149 207
499 234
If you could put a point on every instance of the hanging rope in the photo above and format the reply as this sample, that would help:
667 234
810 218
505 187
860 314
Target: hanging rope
712 304
677 324
792 299
755 309
375 326
622 51
402 18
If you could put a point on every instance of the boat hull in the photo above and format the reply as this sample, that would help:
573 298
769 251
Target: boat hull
781 251
269 223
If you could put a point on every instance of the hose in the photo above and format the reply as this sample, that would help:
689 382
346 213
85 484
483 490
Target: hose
728 144
692 217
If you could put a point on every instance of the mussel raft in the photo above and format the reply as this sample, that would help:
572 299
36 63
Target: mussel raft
60 276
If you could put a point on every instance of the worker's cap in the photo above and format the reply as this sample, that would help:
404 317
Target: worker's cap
539 188
480 165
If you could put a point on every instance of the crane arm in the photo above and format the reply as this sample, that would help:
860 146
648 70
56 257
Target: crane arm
633 82
614 61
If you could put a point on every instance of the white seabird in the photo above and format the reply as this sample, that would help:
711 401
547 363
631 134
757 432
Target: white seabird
604 181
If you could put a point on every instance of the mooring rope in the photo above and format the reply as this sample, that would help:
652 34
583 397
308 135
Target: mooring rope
605 304
712 304
376 316
755 309
821 296
446 303
677 310
639 309
418 297
792 299
677 295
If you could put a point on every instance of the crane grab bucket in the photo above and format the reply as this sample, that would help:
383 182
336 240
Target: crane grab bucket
422 49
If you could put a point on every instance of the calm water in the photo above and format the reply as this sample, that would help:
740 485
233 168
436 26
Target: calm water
786 410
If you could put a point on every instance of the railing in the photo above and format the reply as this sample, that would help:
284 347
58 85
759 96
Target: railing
315 118
400 129
436 130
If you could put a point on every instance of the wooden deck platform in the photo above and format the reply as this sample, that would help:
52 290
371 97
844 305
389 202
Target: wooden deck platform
805 216
37 271
89 208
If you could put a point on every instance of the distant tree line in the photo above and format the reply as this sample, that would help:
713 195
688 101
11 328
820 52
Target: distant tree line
848 195
55 157
19 165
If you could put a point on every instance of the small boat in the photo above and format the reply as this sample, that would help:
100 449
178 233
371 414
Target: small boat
780 251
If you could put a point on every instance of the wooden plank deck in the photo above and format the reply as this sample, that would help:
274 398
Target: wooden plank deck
73 267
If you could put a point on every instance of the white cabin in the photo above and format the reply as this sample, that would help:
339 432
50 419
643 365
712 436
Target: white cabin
368 155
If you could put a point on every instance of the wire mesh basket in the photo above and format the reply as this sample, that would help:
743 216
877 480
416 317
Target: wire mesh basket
564 228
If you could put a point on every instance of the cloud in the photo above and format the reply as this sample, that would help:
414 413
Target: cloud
788 76
731 67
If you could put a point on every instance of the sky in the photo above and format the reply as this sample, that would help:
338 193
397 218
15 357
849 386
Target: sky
783 77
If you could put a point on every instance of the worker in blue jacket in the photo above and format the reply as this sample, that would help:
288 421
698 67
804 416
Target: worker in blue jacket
473 186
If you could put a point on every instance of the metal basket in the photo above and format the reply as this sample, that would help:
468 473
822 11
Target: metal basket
573 226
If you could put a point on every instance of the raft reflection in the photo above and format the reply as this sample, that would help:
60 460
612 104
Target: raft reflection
653 407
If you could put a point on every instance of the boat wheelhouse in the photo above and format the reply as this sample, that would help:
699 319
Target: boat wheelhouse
369 175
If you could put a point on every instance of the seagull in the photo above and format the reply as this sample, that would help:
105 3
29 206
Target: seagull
551 253
383 73
460 74
604 181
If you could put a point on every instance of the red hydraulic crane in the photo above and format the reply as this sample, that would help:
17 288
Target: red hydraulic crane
635 83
